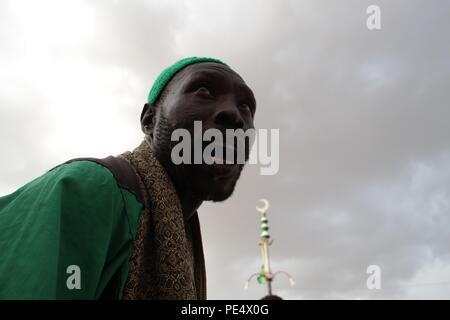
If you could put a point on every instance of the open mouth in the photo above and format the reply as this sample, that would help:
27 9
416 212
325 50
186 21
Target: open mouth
225 154
222 165
220 161
225 157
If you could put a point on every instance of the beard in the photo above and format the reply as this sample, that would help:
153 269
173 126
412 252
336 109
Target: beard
215 189
196 180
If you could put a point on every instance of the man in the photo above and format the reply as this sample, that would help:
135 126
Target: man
127 227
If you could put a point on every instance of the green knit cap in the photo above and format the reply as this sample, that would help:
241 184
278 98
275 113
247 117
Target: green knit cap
168 73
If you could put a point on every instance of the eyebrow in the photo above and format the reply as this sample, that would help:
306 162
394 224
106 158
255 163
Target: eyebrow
199 75
210 74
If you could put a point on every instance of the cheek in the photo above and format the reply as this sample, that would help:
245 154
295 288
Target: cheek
184 113
178 114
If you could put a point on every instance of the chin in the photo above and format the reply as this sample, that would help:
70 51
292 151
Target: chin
217 190
218 196
213 183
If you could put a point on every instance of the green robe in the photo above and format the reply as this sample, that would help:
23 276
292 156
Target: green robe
74 215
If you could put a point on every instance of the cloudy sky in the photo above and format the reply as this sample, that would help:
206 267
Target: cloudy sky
364 122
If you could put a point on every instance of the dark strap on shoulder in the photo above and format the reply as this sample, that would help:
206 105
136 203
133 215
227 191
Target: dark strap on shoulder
122 171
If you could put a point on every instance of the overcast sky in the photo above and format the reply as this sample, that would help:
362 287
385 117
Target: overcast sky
364 122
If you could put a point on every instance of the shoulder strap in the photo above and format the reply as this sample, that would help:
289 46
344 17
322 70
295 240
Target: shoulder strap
122 171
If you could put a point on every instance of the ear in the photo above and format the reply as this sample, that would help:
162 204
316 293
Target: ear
148 119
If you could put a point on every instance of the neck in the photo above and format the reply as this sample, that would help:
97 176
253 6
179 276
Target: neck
189 203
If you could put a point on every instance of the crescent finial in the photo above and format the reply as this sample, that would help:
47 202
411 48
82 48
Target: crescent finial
265 206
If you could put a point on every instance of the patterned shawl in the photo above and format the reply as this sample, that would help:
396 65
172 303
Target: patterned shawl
167 260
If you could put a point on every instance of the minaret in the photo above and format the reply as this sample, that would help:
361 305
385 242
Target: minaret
265 276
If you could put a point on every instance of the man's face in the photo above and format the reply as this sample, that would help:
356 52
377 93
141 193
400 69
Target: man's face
219 98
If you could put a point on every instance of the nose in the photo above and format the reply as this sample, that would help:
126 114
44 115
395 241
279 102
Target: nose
228 116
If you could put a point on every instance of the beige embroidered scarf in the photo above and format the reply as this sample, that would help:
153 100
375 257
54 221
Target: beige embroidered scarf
167 260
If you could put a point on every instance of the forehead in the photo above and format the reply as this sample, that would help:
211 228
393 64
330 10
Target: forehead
211 69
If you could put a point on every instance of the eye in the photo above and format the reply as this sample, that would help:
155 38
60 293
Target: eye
245 107
203 90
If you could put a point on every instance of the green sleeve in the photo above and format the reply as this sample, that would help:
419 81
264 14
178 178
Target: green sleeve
74 216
